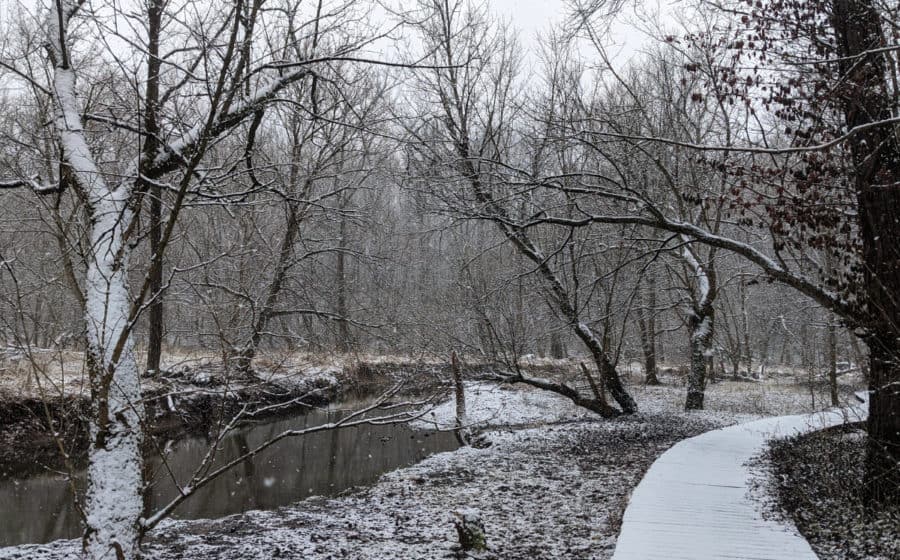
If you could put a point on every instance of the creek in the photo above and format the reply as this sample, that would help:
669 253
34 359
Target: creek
39 508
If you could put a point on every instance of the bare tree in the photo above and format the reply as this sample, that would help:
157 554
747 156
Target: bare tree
237 75
466 133
839 146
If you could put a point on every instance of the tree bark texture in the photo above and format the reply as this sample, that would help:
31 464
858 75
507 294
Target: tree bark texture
876 160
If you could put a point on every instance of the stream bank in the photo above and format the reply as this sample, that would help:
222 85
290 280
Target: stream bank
545 490
191 400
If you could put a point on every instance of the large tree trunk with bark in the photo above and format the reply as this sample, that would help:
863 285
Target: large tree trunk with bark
883 447
156 313
115 475
701 329
700 325
876 160
151 146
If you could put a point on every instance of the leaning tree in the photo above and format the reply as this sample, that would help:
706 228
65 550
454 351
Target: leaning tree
465 145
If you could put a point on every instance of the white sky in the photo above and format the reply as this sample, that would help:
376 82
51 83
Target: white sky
530 16
537 16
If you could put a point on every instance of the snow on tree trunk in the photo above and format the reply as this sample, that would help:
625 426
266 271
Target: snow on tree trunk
460 392
607 370
113 498
700 324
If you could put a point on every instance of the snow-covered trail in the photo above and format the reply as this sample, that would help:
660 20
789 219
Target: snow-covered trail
694 501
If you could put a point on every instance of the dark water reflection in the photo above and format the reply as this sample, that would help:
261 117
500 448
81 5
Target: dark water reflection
39 508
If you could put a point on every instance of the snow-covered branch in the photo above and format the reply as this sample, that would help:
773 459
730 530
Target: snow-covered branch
33 184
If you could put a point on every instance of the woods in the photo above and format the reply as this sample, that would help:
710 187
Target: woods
261 177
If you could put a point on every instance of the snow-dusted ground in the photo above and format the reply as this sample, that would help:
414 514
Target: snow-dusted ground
492 404
548 491
500 405
818 482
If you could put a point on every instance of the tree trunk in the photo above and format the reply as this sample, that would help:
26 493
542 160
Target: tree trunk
876 160
859 356
459 390
701 328
112 504
883 443
115 466
807 362
560 298
647 327
611 379
557 347
343 335
745 330
243 359
832 360
151 145
156 314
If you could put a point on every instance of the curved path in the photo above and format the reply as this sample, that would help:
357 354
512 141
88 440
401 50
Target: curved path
693 503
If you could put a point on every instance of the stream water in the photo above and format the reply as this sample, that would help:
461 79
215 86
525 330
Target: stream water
40 508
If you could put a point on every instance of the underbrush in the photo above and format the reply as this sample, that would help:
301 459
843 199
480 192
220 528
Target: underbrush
818 481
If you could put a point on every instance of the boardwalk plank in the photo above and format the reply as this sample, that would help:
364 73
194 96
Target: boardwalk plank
694 501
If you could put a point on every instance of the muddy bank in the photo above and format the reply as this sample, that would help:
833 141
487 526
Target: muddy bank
36 433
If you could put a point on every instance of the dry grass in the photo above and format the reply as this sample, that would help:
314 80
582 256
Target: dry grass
41 373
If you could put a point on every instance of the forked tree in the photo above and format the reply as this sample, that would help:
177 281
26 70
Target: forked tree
206 69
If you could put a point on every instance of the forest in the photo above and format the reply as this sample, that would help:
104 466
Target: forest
396 279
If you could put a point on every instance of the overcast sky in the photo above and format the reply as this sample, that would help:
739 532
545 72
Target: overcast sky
537 16
530 16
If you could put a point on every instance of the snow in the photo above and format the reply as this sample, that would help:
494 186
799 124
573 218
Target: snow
703 285
468 515
695 501
493 405
702 331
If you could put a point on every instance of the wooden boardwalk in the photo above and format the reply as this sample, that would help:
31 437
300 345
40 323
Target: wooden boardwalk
693 503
